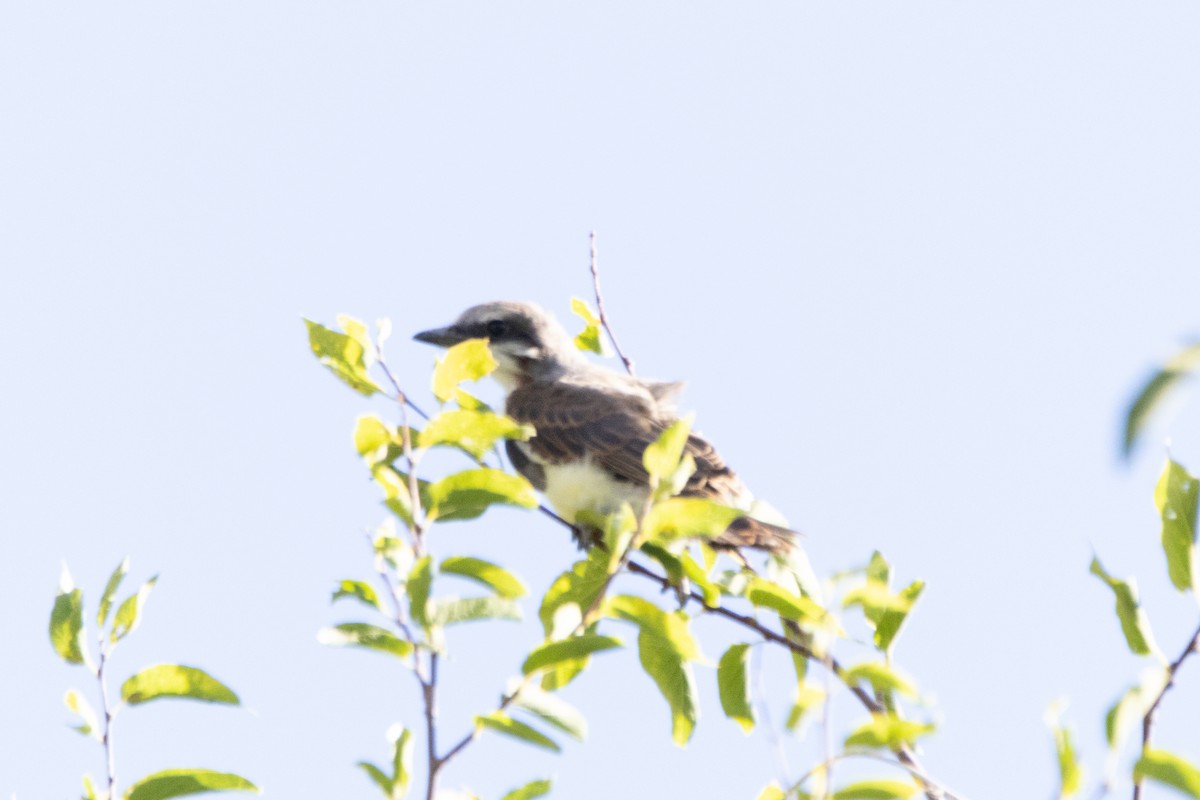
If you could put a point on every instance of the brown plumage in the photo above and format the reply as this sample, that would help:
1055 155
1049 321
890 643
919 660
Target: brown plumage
592 419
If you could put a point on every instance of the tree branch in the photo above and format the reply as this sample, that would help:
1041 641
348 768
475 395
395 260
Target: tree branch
600 306
1193 646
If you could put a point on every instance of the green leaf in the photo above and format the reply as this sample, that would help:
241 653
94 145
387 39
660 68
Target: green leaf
498 579
465 361
1156 390
571 649
1132 706
129 613
420 581
114 581
362 634
772 791
467 494
563 606
378 777
677 517
79 705
887 730
448 611
884 609
807 698
1134 622
66 623
1070 773
377 441
662 456
877 790
179 782
1170 770
174 680
1175 497
789 605
733 682
550 708
474 432
402 761
665 645
345 356
361 591
89 789
883 679
589 339
502 723
529 791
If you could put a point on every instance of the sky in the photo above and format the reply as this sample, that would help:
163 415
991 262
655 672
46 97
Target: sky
913 260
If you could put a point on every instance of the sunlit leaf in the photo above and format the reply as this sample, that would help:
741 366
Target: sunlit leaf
550 708
174 680
402 761
772 791
1175 497
378 442
180 782
467 494
451 610
1134 622
378 777
887 730
563 606
362 634
1070 772
677 517
1169 770
1132 707
110 589
344 355
877 790
529 791
502 723
789 605
1157 389
665 645
420 581
360 591
733 683
90 723
589 339
465 361
807 698
498 579
662 456
881 677
569 649
66 623
474 432
129 613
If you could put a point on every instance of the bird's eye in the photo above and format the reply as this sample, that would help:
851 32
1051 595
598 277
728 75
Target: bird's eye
497 327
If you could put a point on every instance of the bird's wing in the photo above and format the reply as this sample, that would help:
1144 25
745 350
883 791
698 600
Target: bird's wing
614 429
573 420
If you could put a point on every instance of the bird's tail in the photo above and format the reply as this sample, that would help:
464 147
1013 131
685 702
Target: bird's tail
751 532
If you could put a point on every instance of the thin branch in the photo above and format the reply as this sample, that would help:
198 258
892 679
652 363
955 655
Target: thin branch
600 306
1193 646
429 694
109 714
904 754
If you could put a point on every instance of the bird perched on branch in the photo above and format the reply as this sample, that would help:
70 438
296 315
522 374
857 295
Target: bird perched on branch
593 424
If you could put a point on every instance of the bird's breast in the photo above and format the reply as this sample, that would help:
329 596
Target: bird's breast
583 486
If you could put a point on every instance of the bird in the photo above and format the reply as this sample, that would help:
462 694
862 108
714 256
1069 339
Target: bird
592 424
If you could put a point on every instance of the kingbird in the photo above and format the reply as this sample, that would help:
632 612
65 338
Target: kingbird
593 424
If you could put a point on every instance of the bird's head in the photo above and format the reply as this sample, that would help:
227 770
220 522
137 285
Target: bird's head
527 343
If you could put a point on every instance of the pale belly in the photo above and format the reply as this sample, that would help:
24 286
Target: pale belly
582 486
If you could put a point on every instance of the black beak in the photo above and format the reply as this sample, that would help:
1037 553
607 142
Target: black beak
442 337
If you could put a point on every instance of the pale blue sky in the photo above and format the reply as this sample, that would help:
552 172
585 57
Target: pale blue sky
912 259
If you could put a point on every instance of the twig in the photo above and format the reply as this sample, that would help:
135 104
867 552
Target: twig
1148 720
904 754
600 306
109 714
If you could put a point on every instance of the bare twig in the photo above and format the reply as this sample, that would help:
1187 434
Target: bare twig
1193 646
600 306
109 713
